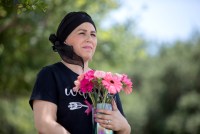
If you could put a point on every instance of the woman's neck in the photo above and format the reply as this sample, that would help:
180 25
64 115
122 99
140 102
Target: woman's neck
76 68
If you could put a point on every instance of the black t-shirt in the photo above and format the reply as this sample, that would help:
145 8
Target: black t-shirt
54 83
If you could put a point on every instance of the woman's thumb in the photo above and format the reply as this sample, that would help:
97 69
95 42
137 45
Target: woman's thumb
114 105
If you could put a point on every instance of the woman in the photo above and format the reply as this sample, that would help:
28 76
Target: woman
57 109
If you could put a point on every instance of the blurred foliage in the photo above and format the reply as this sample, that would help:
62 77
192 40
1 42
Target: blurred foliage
118 47
166 92
16 117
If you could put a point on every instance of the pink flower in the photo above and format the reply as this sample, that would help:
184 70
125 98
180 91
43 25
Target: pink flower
127 84
77 83
99 74
112 83
128 90
80 77
86 86
89 75
99 83
119 75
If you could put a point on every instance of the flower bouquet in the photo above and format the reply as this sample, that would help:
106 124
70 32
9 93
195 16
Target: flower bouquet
101 87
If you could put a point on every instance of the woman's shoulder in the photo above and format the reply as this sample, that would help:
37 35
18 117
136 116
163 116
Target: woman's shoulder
49 68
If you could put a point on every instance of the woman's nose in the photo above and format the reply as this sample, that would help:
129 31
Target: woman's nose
89 38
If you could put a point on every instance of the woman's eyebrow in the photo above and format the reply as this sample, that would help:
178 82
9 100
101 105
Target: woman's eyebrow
84 30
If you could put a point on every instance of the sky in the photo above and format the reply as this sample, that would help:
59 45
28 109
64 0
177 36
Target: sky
164 21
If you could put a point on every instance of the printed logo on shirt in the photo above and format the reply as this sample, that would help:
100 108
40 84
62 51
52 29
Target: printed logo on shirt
71 92
78 105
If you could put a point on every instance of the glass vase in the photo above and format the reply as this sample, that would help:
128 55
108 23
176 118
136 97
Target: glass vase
97 128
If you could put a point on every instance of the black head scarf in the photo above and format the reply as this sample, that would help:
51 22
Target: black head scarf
67 25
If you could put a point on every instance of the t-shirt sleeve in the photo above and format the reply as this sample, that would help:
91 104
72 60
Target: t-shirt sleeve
119 104
45 87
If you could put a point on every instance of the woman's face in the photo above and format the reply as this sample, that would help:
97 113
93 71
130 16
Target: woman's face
84 41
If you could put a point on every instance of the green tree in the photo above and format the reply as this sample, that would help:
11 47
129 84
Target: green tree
169 90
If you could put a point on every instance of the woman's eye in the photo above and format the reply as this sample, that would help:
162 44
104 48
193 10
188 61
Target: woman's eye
94 35
81 33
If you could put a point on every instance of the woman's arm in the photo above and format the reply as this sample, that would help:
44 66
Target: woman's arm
125 127
45 118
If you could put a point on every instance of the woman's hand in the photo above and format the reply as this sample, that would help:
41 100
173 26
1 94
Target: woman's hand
113 120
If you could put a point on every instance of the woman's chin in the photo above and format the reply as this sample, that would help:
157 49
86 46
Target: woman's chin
87 58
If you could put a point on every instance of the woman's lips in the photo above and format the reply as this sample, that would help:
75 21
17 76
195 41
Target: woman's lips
87 47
